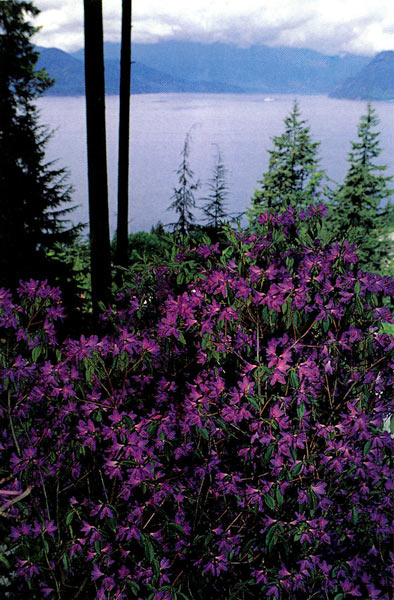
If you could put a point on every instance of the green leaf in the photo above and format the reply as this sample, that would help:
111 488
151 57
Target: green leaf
156 567
112 523
357 288
270 533
253 402
367 448
5 561
296 469
279 496
313 498
360 305
268 453
36 352
149 550
204 433
178 528
65 562
97 546
69 517
301 410
374 300
354 516
271 538
270 502
293 378
135 588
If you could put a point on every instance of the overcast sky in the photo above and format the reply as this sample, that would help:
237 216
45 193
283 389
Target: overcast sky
330 26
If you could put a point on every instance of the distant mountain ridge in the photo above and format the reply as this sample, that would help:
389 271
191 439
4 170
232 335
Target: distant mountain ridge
69 75
256 69
210 68
374 82
67 71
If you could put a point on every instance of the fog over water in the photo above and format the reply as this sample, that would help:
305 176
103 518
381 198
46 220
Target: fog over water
240 125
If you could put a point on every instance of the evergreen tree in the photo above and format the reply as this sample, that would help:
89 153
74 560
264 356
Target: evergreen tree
183 197
357 212
293 176
32 192
215 203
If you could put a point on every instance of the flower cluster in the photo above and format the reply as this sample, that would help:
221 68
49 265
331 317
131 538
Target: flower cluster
226 439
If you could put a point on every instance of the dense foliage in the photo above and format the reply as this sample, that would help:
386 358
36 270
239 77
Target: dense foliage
360 212
224 439
293 177
34 194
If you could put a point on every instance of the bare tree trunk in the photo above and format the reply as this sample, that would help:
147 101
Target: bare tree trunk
97 154
124 137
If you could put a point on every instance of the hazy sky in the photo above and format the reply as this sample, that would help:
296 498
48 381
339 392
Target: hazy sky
330 26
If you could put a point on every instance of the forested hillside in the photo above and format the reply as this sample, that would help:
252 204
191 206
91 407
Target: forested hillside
374 82
216 68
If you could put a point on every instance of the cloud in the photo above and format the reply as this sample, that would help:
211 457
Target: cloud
333 27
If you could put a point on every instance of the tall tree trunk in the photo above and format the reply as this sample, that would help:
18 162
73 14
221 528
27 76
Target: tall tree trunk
97 154
124 137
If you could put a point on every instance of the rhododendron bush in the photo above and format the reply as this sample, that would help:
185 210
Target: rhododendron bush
224 439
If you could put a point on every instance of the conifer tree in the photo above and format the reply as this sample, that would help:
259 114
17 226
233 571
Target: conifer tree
32 192
293 176
183 198
215 203
357 212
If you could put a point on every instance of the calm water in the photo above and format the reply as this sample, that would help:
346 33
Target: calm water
241 125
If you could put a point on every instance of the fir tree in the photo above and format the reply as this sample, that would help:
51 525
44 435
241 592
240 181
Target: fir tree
215 203
293 176
357 211
32 192
183 198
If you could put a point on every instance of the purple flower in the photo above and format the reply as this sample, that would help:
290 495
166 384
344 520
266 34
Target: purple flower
96 573
319 488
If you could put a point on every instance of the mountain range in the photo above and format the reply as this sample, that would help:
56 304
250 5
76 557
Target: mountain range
68 72
176 66
375 81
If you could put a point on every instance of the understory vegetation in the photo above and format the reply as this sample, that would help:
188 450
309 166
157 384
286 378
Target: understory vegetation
225 436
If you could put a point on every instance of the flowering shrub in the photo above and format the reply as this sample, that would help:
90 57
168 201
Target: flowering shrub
226 439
